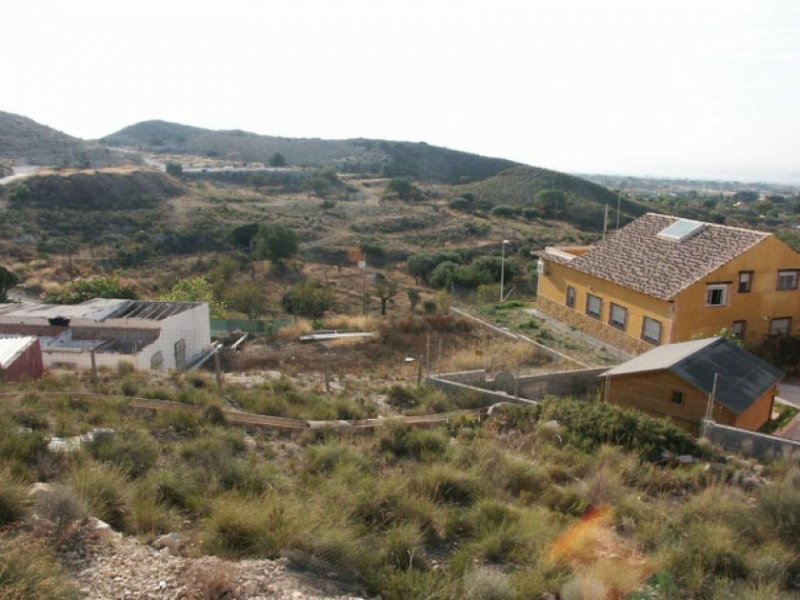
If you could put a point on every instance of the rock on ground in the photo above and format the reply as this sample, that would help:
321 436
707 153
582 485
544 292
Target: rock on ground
123 568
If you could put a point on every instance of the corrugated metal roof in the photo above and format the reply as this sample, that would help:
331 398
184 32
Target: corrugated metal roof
661 357
13 347
743 377
152 311
95 309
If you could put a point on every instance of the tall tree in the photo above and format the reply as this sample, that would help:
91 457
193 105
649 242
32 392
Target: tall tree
276 242
385 289
308 299
8 280
277 160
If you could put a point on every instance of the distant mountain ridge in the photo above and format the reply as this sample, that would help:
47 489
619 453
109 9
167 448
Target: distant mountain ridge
393 159
23 140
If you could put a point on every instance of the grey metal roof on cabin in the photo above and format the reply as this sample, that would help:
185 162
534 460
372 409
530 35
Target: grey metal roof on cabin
152 311
635 257
743 377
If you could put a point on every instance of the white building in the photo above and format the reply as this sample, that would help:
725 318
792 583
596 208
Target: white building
149 335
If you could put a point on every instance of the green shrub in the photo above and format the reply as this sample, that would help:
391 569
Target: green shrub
132 450
28 571
241 528
326 457
404 442
60 507
402 547
105 493
445 485
149 517
13 501
486 583
387 504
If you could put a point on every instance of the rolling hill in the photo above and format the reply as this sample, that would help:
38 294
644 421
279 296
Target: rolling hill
407 159
23 140
517 187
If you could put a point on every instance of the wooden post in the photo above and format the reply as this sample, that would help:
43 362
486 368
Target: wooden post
94 366
218 368
419 370
327 373
428 353
439 356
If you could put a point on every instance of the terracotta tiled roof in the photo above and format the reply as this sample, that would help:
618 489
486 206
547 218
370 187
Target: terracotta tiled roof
635 257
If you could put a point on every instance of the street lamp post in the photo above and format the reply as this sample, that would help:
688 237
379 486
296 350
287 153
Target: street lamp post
503 269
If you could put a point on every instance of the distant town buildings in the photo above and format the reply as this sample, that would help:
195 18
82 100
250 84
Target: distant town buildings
663 280
155 336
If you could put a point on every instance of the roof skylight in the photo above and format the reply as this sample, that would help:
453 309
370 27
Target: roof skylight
681 229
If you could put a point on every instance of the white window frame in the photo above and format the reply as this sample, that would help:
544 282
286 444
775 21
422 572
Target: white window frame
717 287
792 275
649 339
589 298
784 332
615 323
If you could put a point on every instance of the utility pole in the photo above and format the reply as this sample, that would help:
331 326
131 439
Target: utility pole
503 268
605 222
619 202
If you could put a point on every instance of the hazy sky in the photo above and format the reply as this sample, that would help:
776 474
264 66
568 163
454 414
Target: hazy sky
695 88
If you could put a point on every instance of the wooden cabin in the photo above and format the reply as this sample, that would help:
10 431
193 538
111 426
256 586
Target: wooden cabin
679 381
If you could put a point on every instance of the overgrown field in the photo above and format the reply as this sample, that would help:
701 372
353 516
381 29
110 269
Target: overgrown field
558 499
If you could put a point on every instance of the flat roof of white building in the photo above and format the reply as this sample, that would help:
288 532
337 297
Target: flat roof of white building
97 310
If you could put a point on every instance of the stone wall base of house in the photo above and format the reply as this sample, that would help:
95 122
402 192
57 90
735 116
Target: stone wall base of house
592 327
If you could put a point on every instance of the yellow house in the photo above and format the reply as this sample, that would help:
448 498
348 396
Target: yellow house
662 280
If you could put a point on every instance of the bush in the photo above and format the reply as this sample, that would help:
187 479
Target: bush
104 491
60 507
13 501
28 571
133 451
240 528
325 458
486 583
419 444
445 485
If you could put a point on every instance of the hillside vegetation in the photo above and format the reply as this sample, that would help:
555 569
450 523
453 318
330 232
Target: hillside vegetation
417 160
96 190
25 140
514 507
518 187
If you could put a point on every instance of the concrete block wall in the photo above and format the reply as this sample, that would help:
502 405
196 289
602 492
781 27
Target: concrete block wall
563 383
750 443
531 388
